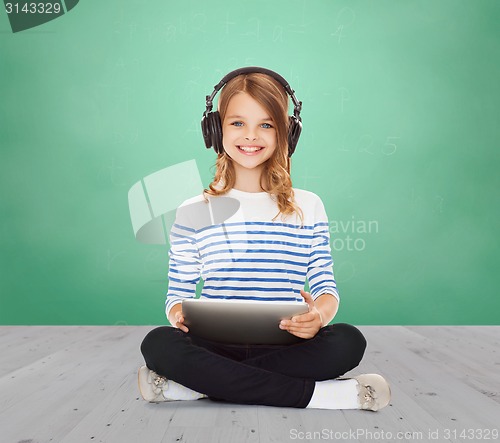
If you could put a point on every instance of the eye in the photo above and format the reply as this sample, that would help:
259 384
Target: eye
237 123
266 126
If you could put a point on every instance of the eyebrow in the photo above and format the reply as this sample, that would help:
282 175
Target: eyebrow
243 118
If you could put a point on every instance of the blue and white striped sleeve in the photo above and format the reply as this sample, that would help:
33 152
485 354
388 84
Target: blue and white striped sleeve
184 268
320 267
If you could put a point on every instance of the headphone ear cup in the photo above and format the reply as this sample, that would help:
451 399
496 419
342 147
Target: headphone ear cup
216 128
294 130
211 129
205 130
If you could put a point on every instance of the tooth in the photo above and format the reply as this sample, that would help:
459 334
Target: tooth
249 149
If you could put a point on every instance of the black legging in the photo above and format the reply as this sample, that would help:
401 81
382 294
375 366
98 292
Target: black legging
254 374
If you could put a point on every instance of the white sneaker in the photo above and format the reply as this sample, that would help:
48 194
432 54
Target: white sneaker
156 388
374 392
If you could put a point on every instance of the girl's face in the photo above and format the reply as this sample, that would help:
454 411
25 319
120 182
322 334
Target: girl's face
248 133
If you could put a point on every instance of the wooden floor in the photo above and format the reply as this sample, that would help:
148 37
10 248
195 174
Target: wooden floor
78 384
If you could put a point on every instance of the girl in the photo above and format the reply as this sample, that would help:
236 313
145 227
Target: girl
264 250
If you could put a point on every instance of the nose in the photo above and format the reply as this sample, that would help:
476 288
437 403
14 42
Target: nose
250 134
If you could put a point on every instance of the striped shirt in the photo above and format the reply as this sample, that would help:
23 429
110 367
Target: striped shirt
234 245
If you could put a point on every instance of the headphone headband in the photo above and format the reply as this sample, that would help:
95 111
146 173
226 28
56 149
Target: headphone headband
250 70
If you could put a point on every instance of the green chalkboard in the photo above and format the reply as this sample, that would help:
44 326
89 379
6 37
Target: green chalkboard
400 140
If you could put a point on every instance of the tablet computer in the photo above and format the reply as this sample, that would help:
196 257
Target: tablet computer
241 321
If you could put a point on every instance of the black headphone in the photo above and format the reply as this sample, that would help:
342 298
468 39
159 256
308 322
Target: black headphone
211 125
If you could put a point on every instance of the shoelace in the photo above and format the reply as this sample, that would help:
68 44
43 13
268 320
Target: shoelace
158 380
369 393
368 396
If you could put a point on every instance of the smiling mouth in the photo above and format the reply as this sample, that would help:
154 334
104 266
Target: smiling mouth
250 149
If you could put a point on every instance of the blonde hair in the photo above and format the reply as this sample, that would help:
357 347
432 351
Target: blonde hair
275 178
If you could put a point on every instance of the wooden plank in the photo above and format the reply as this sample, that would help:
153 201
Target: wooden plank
323 424
121 416
482 339
469 358
9 333
491 330
27 344
16 335
166 422
404 419
246 417
57 392
214 434
451 402
275 424
221 422
471 342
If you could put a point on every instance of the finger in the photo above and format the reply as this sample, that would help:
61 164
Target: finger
304 322
307 298
303 334
303 318
301 328
180 323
